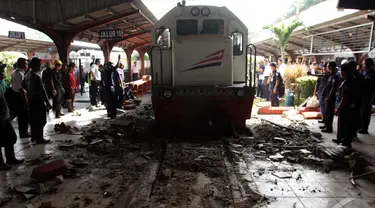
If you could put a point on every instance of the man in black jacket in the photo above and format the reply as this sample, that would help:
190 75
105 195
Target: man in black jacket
38 102
112 85
329 92
367 96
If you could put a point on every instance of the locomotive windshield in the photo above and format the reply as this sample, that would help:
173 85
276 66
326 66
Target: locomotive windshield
187 27
215 26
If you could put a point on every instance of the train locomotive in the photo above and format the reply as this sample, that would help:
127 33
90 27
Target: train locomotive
200 70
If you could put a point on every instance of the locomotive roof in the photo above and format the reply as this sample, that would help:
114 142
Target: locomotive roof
230 13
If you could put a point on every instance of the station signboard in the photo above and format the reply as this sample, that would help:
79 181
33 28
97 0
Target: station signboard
16 35
109 34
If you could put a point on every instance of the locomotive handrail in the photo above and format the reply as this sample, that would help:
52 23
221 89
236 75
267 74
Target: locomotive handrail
161 65
252 48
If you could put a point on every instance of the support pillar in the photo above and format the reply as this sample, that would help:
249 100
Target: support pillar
129 52
62 41
142 53
107 47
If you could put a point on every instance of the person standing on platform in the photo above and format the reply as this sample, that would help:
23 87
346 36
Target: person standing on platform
266 80
70 86
3 85
330 93
274 85
367 96
260 77
16 97
113 88
320 84
120 71
57 88
47 79
350 98
95 77
7 136
38 102
282 67
135 71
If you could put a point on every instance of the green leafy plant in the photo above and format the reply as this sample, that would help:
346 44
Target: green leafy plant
9 60
307 85
282 33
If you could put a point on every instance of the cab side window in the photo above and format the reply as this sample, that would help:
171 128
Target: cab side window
163 36
237 38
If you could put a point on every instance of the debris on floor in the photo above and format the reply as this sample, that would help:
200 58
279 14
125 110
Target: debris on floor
125 165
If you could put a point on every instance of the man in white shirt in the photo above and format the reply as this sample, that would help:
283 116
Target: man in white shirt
266 80
282 67
95 76
135 71
120 72
18 100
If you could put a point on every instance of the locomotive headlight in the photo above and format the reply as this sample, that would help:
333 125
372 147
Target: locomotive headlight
206 11
167 94
240 93
195 11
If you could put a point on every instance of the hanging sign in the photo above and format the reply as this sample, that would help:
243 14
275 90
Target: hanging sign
16 35
108 34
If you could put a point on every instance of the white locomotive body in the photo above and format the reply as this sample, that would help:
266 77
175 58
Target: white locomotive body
199 56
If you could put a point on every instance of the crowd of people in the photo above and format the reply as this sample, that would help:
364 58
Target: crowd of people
107 85
270 81
28 97
347 91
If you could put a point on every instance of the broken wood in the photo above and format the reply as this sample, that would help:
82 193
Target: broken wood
290 147
281 126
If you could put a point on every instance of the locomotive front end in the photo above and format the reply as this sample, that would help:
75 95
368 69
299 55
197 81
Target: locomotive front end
200 73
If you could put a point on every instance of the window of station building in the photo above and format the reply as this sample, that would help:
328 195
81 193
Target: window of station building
237 43
187 27
213 26
163 38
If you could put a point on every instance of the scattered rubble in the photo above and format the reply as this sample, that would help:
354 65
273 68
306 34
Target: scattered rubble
293 143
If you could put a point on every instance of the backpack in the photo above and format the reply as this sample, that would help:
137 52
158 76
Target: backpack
281 89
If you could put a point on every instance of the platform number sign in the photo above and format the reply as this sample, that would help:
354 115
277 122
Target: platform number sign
108 34
16 35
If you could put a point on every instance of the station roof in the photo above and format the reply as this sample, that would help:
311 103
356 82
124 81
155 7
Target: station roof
29 45
85 17
321 18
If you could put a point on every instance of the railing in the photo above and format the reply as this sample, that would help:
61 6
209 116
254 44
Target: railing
250 50
355 39
152 65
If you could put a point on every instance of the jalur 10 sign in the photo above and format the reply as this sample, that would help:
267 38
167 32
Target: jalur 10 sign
109 34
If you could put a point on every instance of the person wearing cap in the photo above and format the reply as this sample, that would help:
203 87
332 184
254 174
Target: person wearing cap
17 100
260 78
38 102
57 88
7 136
329 92
275 78
350 98
367 95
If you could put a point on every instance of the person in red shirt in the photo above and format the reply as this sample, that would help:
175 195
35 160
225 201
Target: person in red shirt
70 86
